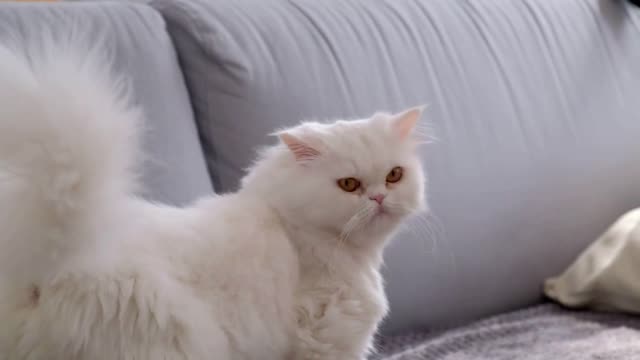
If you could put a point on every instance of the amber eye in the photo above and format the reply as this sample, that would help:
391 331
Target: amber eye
394 175
349 184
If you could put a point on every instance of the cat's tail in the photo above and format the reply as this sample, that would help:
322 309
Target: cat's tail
68 145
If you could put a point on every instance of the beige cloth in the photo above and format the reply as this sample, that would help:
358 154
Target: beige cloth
606 276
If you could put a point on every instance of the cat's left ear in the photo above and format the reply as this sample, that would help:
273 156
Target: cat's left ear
404 123
302 150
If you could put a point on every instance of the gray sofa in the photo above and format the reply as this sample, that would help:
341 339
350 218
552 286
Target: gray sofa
534 104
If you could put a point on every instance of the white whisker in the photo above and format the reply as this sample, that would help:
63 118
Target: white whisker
354 223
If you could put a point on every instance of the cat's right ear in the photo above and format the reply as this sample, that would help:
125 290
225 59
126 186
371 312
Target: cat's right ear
301 150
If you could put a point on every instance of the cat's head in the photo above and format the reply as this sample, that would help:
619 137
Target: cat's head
358 179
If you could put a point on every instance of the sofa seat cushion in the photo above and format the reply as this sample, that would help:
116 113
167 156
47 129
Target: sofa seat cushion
544 332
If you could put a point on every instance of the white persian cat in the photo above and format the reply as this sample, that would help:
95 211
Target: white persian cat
286 268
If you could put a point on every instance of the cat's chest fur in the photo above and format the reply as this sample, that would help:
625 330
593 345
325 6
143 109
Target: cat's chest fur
337 316
319 292
340 291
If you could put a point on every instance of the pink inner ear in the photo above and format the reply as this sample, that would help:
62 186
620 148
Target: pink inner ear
301 151
405 122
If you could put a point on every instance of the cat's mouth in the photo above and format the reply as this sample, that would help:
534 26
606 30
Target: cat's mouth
382 212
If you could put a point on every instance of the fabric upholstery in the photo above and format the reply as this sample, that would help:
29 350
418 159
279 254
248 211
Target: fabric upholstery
544 332
533 102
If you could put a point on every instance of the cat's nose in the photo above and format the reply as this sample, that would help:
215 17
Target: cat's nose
377 198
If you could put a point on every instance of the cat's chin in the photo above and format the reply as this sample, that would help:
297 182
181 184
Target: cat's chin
384 215
384 219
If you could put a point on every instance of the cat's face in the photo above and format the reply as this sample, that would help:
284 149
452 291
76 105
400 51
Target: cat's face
356 178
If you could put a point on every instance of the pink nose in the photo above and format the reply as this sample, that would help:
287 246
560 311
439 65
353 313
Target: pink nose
377 198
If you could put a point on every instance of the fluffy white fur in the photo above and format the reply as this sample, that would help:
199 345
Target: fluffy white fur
286 268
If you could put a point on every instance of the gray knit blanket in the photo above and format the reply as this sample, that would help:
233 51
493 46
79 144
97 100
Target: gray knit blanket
545 332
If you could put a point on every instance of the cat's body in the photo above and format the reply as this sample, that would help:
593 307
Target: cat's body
287 268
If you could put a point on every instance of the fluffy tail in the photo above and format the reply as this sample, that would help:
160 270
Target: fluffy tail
68 143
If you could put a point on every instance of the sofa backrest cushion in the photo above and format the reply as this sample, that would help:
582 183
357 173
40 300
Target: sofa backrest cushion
534 104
